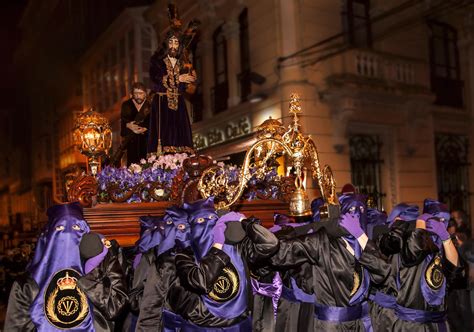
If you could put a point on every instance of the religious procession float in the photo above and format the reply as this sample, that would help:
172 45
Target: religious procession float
115 197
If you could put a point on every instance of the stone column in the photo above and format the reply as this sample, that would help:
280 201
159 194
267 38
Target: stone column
231 32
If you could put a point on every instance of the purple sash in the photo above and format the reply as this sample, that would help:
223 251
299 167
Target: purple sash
93 262
421 316
296 294
344 314
384 300
236 306
174 323
272 290
433 297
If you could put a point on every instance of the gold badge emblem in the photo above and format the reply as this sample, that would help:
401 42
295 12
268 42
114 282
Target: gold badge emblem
434 274
357 277
65 304
226 285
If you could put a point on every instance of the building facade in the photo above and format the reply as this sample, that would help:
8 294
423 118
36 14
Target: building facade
119 57
55 35
386 87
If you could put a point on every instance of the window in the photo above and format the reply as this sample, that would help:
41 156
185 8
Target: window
452 161
444 61
220 91
244 76
366 167
356 22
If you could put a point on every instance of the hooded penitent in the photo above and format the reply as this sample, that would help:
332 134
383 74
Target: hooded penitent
434 287
150 236
355 205
404 212
174 227
233 302
375 218
56 267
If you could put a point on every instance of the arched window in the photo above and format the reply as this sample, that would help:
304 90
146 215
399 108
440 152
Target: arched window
220 91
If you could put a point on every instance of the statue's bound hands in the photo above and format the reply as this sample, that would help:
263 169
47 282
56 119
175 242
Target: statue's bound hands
141 130
187 78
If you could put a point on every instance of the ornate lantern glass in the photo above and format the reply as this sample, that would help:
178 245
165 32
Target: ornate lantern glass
93 137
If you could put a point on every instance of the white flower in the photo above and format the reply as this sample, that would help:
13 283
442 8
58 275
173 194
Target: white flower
142 161
152 158
135 168
220 164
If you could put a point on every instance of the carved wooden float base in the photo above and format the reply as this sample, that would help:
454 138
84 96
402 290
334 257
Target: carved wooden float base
119 221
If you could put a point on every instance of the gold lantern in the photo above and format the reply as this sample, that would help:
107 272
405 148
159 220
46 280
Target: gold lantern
93 137
274 140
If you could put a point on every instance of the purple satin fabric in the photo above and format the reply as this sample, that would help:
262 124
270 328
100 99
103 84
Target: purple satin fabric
273 290
149 239
344 314
363 290
93 262
432 297
403 211
439 210
203 217
173 217
281 219
315 205
137 259
374 218
236 306
175 323
296 294
59 250
436 208
420 316
384 300
355 204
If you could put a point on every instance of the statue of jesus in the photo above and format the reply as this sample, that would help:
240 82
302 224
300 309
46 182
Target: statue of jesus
172 75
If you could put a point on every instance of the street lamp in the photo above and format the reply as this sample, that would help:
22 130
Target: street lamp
93 137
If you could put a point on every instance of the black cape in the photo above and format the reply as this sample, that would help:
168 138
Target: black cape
105 287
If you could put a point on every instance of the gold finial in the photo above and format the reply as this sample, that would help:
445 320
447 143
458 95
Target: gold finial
295 107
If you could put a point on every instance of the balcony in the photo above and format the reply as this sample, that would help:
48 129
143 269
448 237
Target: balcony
377 68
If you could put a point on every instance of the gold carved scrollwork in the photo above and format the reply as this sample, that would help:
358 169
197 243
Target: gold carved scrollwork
272 142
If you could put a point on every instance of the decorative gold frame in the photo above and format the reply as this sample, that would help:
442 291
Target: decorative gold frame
273 141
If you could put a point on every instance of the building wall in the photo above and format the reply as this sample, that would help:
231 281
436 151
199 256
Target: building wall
119 57
382 89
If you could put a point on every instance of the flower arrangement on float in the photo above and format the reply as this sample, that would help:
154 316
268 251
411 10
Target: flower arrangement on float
152 180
